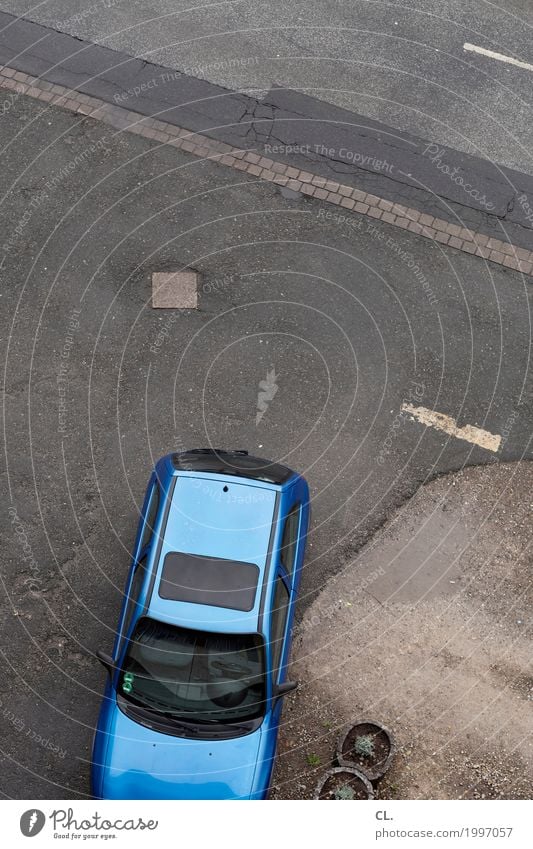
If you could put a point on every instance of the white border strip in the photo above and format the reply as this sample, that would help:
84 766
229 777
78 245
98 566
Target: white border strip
499 56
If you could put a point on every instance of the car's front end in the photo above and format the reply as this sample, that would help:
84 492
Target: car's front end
141 762
183 717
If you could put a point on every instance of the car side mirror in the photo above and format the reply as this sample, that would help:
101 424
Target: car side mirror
106 660
282 689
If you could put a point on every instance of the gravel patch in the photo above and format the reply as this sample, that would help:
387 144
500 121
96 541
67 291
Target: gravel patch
429 632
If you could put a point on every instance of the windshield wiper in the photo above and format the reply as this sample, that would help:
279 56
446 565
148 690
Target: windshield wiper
224 723
198 722
188 723
237 725
153 713
195 725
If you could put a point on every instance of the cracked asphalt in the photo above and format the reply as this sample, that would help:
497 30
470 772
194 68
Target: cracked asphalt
400 64
296 127
97 384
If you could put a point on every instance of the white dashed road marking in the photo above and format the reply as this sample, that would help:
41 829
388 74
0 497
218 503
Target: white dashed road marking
475 435
499 56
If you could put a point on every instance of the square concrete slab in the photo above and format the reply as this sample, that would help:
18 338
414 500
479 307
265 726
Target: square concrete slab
175 290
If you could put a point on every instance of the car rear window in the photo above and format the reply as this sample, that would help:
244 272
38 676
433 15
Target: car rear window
209 580
232 463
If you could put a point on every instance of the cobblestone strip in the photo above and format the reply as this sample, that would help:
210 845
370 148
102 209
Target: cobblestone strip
256 165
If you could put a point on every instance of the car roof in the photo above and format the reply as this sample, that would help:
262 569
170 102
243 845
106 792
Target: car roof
213 516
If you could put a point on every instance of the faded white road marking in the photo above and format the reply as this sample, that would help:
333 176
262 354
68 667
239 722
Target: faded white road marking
499 56
475 435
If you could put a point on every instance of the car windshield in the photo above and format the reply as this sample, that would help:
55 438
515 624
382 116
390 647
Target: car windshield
194 675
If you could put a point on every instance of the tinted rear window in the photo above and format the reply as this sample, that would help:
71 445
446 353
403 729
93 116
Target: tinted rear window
232 463
209 580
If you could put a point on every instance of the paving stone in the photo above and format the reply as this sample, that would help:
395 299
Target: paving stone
175 290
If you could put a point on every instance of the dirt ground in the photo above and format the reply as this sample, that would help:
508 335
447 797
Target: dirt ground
429 632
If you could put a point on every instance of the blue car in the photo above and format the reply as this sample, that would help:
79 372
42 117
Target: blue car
196 680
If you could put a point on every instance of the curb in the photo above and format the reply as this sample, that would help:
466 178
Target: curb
254 164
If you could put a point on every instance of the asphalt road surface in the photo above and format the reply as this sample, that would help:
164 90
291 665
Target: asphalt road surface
403 65
97 384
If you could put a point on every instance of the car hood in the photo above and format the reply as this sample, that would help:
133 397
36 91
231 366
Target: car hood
144 764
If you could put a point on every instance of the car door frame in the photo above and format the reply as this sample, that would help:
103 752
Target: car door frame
290 499
140 553
138 549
